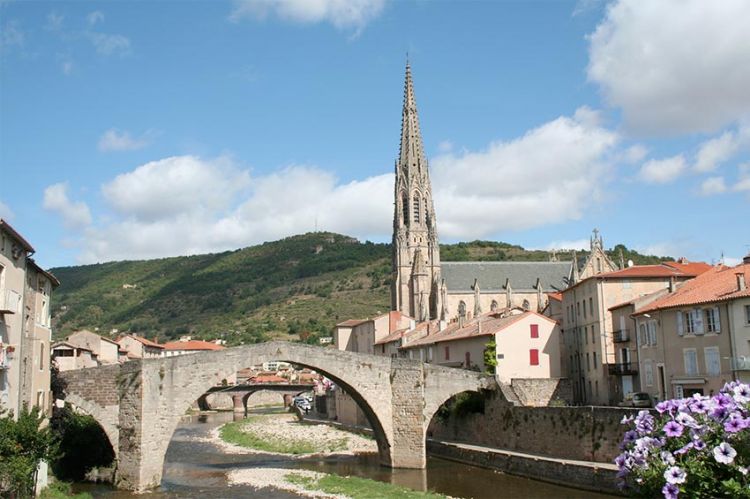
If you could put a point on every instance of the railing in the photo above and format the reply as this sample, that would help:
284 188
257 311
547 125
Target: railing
623 368
620 336
740 364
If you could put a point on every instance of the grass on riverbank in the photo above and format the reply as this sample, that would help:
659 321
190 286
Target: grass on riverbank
241 433
61 490
361 488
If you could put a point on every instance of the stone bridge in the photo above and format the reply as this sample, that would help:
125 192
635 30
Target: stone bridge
140 403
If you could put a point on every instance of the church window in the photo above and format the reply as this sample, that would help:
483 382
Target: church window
493 306
416 209
598 265
526 305
405 207
462 308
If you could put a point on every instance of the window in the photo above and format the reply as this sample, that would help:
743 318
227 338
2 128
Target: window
493 306
588 362
747 314
596 385
643 333
586 334
690 356
467 358
713 323
447 353
594 360
591 307
534 330
534 357
41 356
405 207
593 336
648 373
693 321
578 308
429 354
584 309
713 361
651 327
678 392
416 209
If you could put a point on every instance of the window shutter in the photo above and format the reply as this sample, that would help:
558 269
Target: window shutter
717 319
698 320
535 330
680 325
534 357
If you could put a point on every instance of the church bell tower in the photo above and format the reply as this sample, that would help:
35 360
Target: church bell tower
415 290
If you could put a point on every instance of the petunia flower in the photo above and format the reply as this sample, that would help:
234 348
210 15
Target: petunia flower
675 474
673 429
724 453
670 491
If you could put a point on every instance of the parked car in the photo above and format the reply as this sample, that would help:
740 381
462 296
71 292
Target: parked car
637 399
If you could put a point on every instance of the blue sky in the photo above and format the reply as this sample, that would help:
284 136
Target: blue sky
149 129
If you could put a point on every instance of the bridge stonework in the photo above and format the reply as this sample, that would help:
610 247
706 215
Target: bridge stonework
147 398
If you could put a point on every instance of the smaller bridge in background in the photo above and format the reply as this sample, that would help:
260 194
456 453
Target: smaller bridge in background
242 392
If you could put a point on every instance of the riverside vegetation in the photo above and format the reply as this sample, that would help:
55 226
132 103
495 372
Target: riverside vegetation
296 288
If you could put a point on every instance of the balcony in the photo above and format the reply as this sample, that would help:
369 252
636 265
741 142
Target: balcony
623 369
740 364
621 336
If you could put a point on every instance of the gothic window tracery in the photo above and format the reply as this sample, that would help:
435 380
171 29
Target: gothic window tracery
416 205
405 207
493 306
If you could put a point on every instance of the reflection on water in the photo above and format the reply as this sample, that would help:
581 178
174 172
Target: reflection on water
196 468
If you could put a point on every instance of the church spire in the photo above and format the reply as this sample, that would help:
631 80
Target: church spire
416 253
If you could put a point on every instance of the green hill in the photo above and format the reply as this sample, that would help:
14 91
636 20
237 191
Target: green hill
295 288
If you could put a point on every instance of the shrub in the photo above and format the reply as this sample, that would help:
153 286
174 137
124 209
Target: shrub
83 445
23 444
698 447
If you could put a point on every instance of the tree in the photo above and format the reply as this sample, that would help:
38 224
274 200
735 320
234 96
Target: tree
23 444
490 357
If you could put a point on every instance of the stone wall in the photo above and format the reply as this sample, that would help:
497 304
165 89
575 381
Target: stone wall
576 433
543 392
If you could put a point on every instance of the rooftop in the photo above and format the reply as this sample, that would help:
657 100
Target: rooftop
492 276
192 345
720 283
144 341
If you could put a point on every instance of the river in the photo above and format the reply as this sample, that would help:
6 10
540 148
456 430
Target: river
195 467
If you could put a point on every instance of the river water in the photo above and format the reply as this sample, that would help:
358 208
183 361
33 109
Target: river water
196 468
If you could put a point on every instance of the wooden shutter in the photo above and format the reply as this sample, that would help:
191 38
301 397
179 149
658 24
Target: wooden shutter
717 320
680 325
535 330
534 357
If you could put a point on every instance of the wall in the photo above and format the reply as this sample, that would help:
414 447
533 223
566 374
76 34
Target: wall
514 344
11 279
543 392
485 300
741 333
577 433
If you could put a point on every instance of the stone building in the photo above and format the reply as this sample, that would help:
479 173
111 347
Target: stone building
424 288
25 324
696 337
105 351
590 356
138 347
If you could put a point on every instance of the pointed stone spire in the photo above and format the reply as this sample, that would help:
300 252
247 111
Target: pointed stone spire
477 298
508 294
576 277
411 159
540 304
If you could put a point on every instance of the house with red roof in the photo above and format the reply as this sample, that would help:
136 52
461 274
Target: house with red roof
188 345
696 337
601 364
138 347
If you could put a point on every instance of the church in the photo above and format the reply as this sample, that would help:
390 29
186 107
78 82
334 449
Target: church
423 287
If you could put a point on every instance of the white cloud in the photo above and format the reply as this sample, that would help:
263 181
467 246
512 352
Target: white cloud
67 67
106 44
74 214
482 193
343 14
715 151
674 65
11 36
662 171
177 185
445 146
5 211
117 140
188 205
743 183
713 185
730 261
94 17
635 153
54 21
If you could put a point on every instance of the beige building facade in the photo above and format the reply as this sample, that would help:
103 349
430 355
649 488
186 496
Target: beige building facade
138 347
25 324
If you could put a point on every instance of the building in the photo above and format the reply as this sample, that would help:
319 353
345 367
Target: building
67 356
696 337
106 351
138 347
25 324
588 327
363 335
187 346
424 288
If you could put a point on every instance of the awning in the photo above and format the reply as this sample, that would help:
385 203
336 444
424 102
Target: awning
689 381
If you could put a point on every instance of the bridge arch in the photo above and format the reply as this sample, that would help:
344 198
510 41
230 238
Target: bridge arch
107 417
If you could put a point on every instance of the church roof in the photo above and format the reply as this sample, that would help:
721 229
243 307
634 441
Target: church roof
459 276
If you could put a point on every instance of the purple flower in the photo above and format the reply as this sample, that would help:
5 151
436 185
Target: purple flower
666 457
666 406
734 424
699 406
644 422
719 413
686 420
675 474
629 437
670 491
699 444
673 429
684 449
627 419
724 400
724 453
741 394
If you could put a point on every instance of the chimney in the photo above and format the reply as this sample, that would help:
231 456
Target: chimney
741 284
672 284
746 259
442 325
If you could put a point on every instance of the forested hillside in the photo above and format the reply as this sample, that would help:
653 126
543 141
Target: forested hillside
295 288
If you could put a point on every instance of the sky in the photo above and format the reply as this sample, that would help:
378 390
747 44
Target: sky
133 130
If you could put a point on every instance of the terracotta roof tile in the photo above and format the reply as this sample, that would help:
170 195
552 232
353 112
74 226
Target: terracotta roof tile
717 284
192 345
146 342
